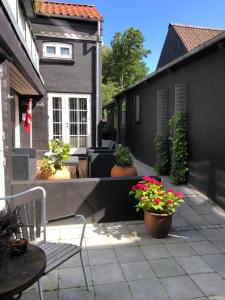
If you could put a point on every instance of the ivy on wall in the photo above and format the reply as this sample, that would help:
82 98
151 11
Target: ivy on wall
162 148
178 148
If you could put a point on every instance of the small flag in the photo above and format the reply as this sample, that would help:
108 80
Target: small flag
28 120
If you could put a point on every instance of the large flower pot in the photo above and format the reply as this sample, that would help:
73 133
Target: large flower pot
118 171
59 174
157 225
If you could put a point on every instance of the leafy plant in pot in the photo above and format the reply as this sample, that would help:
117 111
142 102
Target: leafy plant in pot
124 163
158 205
52 167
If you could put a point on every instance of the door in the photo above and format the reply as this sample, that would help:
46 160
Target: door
70 119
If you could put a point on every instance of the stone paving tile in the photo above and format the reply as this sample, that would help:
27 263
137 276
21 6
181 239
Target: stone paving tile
124 241
113 291
150 289
210 283
179 222
51 295
137 270
192 236
117 228
215 261
73 277
181 287
212 234
166 267
137 228
75 261
155 251
220 244
76 293
146 239
108 273
50 281
217 297
214 219
205 247
98 243
185 210
101 256
173 238
196 220
126 254
194 265
180 249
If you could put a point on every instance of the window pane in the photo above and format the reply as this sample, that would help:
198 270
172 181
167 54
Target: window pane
57 116
57 129
83 129
83 141
74 141
57 103
73 103
73 129
73 117
50 50
83 116
82 103
65 51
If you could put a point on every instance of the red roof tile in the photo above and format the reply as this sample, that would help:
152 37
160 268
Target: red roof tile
194 36
69 9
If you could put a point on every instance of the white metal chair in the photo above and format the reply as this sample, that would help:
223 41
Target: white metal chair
32 214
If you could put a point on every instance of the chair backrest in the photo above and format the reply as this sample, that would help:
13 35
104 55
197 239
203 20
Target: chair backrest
31 213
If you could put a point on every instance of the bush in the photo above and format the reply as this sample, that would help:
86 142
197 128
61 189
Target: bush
162 149
123 157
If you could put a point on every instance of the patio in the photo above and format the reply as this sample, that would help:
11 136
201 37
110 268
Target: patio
123 262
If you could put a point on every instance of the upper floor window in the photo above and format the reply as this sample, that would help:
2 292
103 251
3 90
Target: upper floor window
57 50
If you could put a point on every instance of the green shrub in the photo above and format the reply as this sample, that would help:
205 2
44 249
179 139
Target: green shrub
162 148
123 157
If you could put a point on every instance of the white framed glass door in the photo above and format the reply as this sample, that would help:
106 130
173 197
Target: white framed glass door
70 119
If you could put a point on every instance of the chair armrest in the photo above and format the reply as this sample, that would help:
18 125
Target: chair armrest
83 229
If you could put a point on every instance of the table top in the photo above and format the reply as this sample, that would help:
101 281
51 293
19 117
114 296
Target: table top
74 160
17 273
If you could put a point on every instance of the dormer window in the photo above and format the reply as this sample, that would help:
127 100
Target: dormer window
57 50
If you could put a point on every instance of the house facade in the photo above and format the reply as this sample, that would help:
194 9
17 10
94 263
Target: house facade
52 55
193 83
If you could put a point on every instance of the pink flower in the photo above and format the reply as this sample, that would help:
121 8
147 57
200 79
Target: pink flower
170 202
170 191
151 180
134 187
144 198
157 200
179 195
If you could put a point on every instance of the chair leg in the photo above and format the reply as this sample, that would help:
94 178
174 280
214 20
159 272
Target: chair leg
85 278
40 290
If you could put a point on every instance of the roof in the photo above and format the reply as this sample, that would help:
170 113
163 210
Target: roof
69 10
194 36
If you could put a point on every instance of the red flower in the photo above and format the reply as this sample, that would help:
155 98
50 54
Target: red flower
144 198
170 191
134 187
157 200
179 195
151 180
170 202
141 186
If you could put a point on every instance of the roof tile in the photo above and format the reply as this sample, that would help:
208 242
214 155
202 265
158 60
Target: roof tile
69 9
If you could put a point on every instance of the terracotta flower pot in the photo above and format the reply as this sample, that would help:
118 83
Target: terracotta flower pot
157 225
118 171
60 174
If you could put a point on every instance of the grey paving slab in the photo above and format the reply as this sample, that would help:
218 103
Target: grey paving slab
214 219
166 267
73 277
196 220
212 234
113 291
108 273
185 210
194 265
180 249
116 229
125 254
51 295
192 235
221 297
75 261
155 251
215 261
173 238
137 228
150 289
101 256
181 287
137 270
179 222
211 283
76 293
98 243
205 247
146 239
220 244
49 282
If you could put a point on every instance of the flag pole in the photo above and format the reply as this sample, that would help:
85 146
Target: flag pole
31 127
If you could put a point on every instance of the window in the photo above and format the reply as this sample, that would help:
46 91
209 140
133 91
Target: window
57 50
137 108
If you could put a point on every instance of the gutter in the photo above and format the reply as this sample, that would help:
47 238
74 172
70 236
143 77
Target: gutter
98 42
67 17
175 62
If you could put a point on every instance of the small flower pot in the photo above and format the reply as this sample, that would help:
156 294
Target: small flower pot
59 174
157 225
118 171
18 246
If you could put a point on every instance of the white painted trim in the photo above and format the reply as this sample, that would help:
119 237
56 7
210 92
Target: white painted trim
17 123
2 158
57 47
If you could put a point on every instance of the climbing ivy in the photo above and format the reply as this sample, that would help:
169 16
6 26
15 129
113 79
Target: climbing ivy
178 148
162 150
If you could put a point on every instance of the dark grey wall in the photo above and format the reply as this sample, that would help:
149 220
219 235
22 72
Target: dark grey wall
204 76
173 48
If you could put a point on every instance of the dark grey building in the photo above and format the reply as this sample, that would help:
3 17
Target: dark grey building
193 82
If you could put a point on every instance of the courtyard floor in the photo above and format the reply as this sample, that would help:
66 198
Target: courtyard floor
123 262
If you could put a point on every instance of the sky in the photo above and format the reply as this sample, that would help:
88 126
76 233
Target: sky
152 17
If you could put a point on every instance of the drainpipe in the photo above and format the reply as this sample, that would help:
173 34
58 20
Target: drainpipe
98 42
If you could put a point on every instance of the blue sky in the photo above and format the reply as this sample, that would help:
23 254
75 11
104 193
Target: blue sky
153 16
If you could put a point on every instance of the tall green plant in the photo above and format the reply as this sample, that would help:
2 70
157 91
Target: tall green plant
178 148
163 157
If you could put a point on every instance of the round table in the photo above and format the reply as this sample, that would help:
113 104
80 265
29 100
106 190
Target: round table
17 273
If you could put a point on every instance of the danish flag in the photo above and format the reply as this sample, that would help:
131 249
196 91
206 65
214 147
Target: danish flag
28 120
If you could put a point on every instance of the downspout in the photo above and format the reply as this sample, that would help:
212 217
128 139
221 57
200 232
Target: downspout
98 42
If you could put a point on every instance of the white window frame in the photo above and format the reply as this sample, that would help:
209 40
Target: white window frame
65 116
58 47
137 108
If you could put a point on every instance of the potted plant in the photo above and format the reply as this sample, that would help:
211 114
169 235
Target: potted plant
52 167
158 205
124 163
